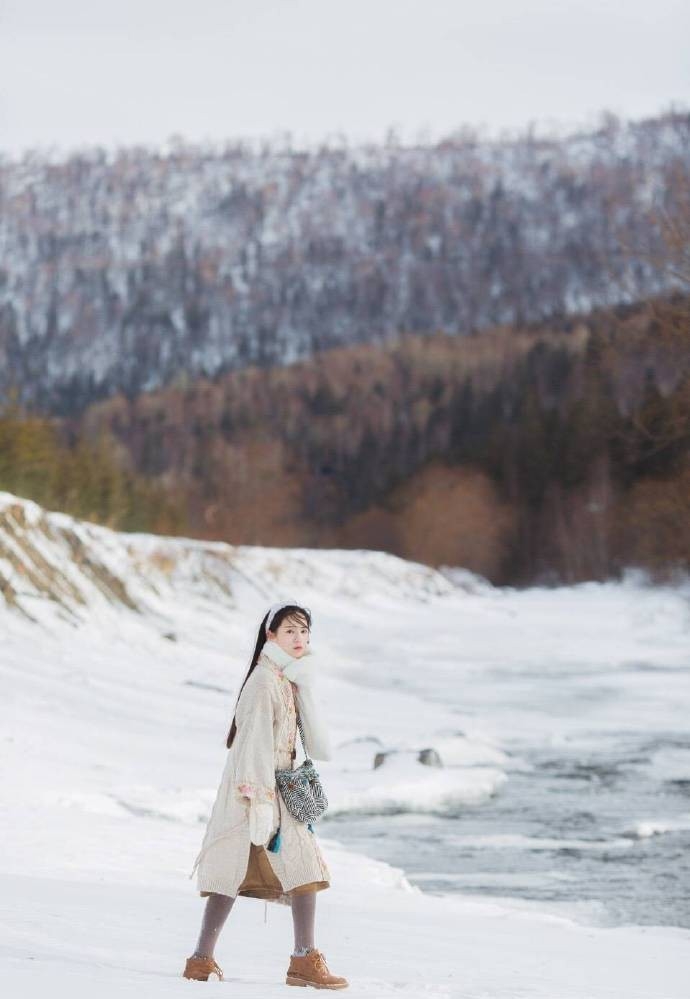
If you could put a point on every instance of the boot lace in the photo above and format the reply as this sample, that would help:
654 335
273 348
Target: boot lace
320 962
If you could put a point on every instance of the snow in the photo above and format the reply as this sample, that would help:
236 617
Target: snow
656 827
118 691
404 785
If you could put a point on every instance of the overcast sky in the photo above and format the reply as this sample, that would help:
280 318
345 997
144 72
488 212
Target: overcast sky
79 72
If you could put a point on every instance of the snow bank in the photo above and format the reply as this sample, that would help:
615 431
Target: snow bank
57 566
114 713
657 827
512 840
401 784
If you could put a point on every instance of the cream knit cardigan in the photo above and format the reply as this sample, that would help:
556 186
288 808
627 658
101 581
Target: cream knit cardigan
266 732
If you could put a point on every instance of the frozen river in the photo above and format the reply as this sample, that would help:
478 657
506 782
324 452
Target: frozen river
561 717
587 691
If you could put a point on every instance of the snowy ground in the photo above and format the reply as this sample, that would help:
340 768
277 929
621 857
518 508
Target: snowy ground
119 676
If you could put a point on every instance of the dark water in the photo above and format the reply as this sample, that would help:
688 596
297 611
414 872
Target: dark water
564 830
587 692
562 833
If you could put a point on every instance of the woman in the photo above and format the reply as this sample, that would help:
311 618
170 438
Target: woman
253 845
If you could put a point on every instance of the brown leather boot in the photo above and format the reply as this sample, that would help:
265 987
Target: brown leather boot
312 970
202 968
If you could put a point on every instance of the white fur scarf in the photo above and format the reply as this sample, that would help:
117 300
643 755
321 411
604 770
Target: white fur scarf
302 672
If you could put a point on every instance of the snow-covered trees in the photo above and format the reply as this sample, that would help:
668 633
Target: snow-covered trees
123 270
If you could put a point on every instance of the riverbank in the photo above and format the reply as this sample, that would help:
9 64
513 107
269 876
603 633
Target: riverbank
119 677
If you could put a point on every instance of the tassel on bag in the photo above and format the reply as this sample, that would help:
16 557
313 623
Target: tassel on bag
275 841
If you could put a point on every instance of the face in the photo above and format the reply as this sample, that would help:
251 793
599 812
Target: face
292 635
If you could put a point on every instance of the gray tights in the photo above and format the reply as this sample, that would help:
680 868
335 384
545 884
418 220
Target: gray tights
218 908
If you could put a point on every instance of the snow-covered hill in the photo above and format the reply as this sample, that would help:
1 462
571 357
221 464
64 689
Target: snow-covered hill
124 269
71 578
119 665
53 566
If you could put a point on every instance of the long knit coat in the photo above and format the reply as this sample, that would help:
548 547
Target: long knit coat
228 863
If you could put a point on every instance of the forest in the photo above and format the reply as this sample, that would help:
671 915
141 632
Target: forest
123 270
469 354
550 454
38 460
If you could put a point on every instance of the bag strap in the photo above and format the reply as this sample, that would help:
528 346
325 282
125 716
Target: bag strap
301 732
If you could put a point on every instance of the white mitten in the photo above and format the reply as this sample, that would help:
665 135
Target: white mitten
260 822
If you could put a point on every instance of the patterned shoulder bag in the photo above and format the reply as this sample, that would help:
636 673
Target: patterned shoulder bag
302 791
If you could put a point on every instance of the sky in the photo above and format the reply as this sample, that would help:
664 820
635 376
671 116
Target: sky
76 73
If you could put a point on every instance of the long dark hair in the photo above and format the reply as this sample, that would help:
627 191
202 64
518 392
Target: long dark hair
290 610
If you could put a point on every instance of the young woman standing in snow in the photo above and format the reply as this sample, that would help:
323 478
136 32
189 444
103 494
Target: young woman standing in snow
240 853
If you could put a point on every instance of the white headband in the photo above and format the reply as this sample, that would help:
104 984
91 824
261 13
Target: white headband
274 608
